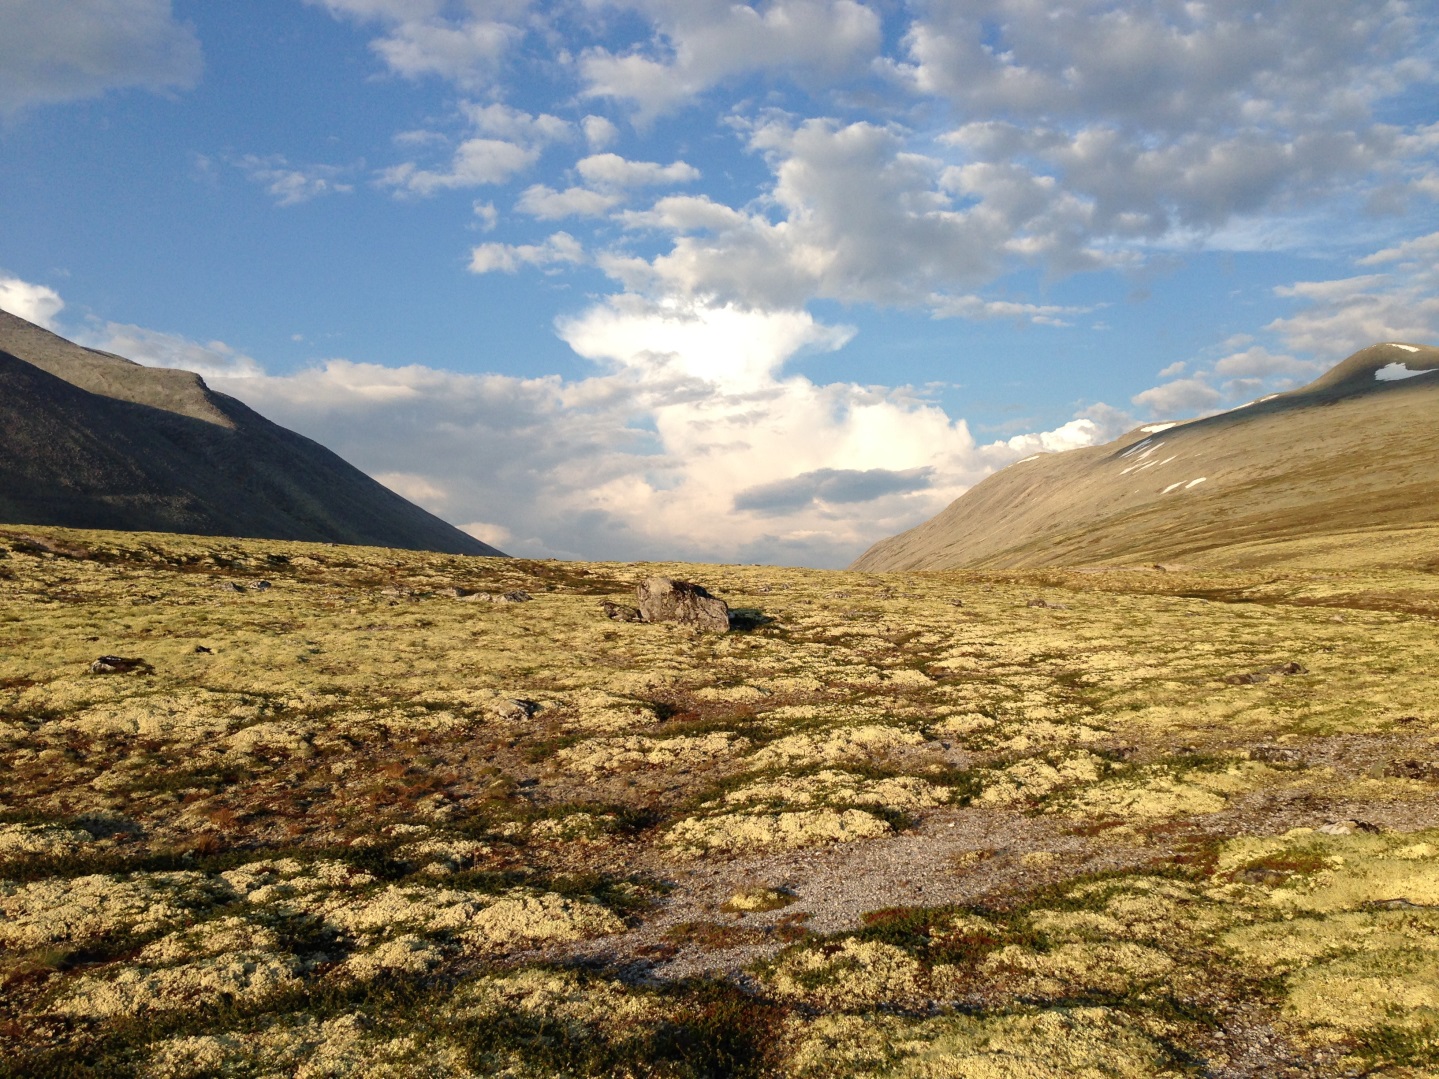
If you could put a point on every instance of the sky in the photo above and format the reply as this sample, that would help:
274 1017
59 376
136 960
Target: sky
715 281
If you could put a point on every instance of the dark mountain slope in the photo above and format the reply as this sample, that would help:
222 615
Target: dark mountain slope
90 440
1352 455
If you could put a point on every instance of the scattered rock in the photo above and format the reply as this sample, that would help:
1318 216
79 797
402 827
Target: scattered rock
457 592
1045 603
1272 754
261 586
664 600
1254 678
233 586
1337 618
120 665
956 603
1413 769
1396 904
516 596
201 650
515 709
620 613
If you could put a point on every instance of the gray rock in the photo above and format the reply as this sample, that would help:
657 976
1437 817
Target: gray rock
515 709
664 600
620 613
120 665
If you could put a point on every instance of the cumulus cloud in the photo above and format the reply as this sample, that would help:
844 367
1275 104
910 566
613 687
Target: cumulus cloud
1338 317
854 214
504 142
52 52
599 132
291 186
665 451
476 162
153 348
611 170
1182 397
547 204
36 303
837 486
699 44
463 43
508 258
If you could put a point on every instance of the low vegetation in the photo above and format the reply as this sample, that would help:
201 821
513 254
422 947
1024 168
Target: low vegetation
343 820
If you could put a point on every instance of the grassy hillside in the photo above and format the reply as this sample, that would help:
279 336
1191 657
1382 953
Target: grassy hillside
1347 462
342 821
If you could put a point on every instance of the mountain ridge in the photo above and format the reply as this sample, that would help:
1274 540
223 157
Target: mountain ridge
93 440
1351 452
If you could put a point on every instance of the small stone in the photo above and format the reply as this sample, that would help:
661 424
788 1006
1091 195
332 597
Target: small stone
515 709
664 600
1413 769
618 612
261 586
201 650
120 665
1339 827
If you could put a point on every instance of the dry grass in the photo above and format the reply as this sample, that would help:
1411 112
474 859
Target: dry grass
878 834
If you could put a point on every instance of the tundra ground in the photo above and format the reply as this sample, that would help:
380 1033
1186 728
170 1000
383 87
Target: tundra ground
346 820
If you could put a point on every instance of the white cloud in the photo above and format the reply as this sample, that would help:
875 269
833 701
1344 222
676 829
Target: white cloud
667 451
463 43
1182 397
156 349
516 125
486 214
1178 123
505 142
700 43
1259 362
855 215
1344 315
476 162
547 204
599 132
52 52
611 170
978 308
36 303
420 490
508 258
292 186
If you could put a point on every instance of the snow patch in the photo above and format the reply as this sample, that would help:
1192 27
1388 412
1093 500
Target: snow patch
1195 483
1155 428
1035 457
1406 348
1171 487
1395 371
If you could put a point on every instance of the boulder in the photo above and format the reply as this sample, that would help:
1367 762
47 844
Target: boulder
664 600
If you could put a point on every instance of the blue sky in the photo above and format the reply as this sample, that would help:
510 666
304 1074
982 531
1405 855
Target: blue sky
694 279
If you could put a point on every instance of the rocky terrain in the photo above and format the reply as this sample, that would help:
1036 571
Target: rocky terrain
1342 469
92 440
279 809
